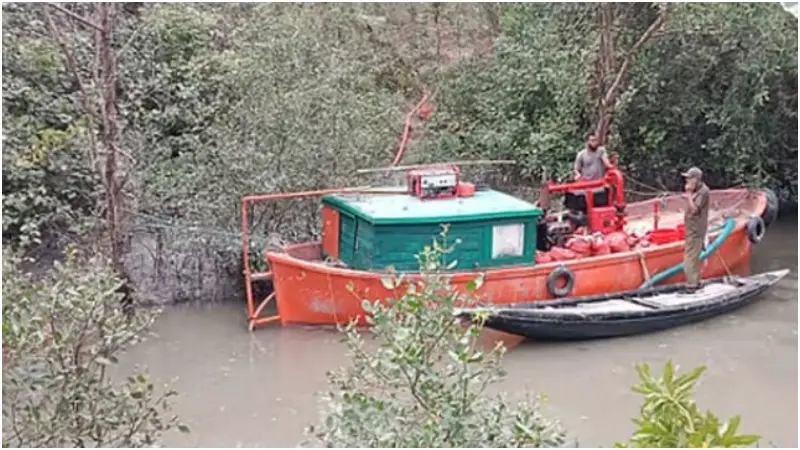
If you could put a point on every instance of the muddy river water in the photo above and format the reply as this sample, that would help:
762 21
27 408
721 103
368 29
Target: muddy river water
258 389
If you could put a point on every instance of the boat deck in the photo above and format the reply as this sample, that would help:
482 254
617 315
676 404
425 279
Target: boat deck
707 292
724 205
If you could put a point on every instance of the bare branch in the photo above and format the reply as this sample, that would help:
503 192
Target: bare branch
608 100
83 20
129 41
73 67
626 64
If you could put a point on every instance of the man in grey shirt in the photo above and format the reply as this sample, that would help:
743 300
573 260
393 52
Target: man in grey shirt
592 161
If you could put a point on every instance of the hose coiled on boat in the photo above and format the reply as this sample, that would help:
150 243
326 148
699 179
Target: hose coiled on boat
727 230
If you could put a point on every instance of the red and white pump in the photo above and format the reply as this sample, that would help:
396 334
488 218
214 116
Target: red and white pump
437 182
596 205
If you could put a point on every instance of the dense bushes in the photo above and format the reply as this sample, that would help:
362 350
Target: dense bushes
218 101
49 185
525 103
716 88
62 330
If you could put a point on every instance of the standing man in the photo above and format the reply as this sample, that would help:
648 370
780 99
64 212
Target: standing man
696 220
591 162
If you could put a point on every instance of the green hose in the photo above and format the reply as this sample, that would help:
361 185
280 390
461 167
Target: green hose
727 229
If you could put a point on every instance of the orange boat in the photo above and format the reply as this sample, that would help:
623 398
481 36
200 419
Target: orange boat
365 230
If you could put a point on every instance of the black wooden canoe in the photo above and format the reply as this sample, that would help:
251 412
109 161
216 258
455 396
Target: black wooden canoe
624 313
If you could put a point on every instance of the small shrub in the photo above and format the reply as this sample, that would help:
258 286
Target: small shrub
670 418
61 334
425 383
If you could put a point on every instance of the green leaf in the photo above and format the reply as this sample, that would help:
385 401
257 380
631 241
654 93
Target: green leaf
475 284
668 371
730 427
743 440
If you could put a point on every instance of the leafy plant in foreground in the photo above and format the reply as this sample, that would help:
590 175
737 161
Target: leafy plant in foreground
424 382
62 333
670 418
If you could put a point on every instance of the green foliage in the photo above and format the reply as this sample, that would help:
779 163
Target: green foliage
424 382
716 88
670 418
308 113
178 75
526 102
249 99
49 185
61 333
219 101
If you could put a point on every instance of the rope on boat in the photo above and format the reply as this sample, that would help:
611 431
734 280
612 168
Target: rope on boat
653 191
643 263
725 265
727 230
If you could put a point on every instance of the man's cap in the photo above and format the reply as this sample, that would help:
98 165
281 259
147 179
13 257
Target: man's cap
693 172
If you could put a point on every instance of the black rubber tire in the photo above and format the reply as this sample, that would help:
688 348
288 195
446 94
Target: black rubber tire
558 273
770 213
756 229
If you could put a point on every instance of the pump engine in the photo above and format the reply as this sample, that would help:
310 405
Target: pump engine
597 205
434 182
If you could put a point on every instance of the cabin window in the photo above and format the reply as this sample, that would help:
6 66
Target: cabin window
508 240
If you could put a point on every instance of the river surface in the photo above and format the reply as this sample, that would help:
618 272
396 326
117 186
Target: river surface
258 389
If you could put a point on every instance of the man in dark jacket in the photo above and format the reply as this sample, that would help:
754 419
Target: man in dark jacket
696 220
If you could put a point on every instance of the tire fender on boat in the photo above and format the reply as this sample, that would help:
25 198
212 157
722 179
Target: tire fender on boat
558 273
770 213
756 229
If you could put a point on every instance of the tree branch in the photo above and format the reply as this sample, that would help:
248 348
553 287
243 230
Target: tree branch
626 64
80 19
128 42
73 67
86 101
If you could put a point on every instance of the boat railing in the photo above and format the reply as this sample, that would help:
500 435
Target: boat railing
255 308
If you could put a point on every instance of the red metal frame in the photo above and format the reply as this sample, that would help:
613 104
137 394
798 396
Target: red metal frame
613 178
330 232
401 149
253 310
656 210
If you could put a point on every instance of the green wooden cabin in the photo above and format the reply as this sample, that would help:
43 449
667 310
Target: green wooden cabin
373 232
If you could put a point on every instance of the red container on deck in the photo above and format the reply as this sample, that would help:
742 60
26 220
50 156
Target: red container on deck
667 235
465 189
681 229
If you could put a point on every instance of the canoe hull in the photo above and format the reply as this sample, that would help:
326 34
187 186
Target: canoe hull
311 292
602 330
542 328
